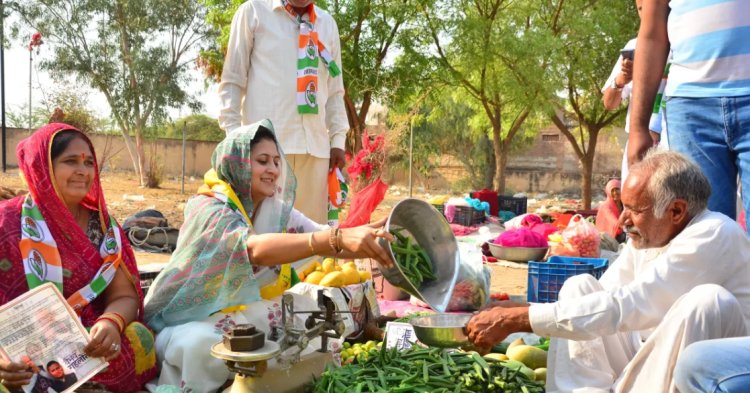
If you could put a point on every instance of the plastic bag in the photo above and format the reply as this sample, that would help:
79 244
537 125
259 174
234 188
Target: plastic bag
579 239
364 203
472 289
521 237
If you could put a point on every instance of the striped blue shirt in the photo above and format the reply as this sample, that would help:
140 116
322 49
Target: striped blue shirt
710 42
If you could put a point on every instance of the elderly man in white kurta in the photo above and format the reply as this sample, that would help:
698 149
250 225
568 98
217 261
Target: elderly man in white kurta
283 63
683 277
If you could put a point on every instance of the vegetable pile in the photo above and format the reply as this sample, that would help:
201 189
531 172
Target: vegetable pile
412 259
428 370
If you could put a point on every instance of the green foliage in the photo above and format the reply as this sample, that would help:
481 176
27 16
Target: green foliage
135 52
197 127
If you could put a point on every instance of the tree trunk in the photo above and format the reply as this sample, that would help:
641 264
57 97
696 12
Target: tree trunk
497 144
490 170
354 140
143 173
132 151
587 165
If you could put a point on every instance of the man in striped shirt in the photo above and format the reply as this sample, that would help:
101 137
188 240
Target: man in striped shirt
708 94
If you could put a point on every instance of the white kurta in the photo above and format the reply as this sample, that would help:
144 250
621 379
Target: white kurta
611 320
259 79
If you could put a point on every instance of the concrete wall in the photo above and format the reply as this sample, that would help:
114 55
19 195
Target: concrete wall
111 149
548 165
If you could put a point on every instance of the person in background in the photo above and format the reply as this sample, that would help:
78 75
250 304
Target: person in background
608 214
239 236
271 42
700 370
708 94
682 278
62 232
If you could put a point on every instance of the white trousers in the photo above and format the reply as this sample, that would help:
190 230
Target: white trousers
622 362
312 186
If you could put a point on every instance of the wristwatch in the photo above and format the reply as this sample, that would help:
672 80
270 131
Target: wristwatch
613 85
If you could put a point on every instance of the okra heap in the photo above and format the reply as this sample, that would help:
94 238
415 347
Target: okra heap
414 262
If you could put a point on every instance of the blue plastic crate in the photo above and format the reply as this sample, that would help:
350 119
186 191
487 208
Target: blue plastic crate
546 278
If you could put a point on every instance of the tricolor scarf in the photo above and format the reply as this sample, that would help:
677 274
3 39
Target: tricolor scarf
42 263
221 190
659 103
309 47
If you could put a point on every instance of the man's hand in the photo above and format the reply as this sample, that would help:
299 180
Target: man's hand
655 137
338 159
626 72
639 141
491 326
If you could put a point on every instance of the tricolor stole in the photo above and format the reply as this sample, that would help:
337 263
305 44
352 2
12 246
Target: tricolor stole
221 190
42 263
309 47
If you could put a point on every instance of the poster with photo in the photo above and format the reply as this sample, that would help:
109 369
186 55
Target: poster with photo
40 329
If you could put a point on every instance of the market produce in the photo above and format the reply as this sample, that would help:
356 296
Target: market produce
359 352
540 374
331 274
531 356
414 262
431 370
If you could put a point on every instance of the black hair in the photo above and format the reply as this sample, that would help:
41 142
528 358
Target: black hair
53 362
263 133
61 141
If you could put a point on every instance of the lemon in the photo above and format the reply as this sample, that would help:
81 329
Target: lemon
333 279
364 276
314 277
350 276
329 265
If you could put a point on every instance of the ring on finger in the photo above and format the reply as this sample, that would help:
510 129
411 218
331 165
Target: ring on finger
115 347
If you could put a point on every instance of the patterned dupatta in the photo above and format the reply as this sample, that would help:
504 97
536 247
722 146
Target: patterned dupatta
43 241
210 269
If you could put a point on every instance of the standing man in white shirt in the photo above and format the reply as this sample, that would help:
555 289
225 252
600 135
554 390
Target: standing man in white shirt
283 63
683 277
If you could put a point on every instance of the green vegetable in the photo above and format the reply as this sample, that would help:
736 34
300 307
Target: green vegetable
430 370
414 262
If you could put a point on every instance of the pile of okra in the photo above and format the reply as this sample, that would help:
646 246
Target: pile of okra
430 370
411 258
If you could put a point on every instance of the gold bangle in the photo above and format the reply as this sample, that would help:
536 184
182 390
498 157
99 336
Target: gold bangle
338 241
310 243
332 238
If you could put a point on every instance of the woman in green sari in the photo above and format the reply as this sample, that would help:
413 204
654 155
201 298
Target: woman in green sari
231 261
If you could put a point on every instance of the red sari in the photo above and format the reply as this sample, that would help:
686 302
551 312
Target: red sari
609 212
132 368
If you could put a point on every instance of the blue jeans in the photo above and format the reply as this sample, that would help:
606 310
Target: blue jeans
714 366
715 133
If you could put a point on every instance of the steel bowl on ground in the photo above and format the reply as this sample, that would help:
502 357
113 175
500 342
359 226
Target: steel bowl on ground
433 233
518 254
442 330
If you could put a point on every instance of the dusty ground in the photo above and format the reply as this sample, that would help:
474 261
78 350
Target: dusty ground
125 197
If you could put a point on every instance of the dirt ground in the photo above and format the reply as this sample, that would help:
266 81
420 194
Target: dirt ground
125 197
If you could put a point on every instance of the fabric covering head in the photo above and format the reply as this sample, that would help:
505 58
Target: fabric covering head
210 268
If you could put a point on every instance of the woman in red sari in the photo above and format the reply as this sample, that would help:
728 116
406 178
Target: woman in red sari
66 201
608 216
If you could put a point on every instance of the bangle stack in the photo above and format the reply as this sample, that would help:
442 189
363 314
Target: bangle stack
114 318
334 240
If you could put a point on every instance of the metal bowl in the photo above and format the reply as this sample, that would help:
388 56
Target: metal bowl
433 233
442 330
518 254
